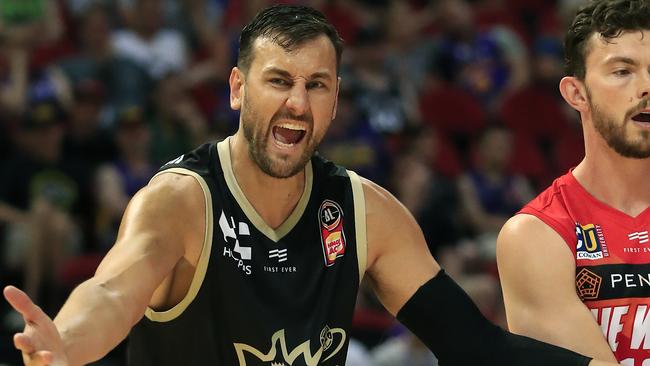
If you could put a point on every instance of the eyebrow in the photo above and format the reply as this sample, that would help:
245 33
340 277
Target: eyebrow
625 60
285 73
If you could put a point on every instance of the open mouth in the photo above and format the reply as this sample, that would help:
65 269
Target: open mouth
288 134
642 117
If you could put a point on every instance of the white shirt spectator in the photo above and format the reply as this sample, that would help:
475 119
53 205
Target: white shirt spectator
357 355
165 52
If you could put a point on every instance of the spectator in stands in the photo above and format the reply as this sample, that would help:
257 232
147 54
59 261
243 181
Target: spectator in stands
432 198
85 136
378 90
50 196
487 62
353 143
147 42
124 80
117 181
26 81
179 124
411 51
490 194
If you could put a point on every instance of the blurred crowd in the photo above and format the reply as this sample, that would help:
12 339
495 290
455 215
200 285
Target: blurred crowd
451 104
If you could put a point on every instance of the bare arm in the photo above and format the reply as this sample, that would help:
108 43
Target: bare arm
538 278
399 261
101 311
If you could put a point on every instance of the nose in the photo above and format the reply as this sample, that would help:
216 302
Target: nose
298 100
644 87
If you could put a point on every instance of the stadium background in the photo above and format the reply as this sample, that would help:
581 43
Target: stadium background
451 104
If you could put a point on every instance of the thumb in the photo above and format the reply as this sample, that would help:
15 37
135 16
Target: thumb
23 304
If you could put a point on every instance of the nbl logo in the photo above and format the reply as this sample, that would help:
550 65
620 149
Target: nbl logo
330 215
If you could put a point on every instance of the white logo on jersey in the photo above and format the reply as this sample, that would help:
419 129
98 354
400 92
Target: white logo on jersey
641 236
244 253
612 320
176 161
280 254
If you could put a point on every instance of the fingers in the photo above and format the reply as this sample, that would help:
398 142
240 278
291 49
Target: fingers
41 358
23 304
26 346
24 343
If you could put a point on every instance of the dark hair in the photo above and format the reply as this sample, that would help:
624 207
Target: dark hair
288 26
609 18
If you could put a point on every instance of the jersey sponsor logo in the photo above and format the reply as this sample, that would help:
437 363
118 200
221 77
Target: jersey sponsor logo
616 281
613 321
240 254
280 254
590 242
330 216
588 284
331 343
640 236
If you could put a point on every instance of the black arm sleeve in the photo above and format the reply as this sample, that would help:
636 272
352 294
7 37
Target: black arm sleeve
442 315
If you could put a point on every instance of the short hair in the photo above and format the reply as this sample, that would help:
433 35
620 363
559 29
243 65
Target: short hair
288 26
609 18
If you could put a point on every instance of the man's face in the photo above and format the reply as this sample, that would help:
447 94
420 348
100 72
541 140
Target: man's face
288 100
618 91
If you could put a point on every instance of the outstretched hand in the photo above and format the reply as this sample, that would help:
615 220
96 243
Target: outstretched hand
40 342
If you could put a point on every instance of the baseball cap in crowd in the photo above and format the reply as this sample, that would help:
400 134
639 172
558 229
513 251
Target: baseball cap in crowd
130 117
42 114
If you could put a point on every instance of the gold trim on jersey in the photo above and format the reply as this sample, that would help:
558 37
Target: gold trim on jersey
291 221
202 265
359 221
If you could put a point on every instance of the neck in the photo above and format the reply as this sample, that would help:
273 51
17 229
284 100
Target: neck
273 198
620 182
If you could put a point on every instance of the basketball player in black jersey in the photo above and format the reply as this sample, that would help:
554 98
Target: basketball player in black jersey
250 251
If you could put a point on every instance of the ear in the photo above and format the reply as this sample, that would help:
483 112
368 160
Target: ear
336 97
236 82
574 92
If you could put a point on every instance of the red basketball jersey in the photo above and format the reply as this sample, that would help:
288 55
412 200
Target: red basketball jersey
612 256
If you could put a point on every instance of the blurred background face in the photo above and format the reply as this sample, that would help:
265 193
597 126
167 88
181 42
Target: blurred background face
149 15
455 16
96 29
44 143
496 148
133 139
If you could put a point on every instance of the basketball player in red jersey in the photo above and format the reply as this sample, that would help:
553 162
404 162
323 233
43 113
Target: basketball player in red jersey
575 262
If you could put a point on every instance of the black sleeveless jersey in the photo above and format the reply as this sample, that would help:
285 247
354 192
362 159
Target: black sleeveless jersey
263 296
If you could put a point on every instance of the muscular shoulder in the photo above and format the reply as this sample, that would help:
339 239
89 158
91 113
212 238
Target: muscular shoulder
524 232
527 245
171 205
389 223
381 206
174 185
523 225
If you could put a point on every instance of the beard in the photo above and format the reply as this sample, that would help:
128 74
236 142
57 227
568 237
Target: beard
614 133
257 138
